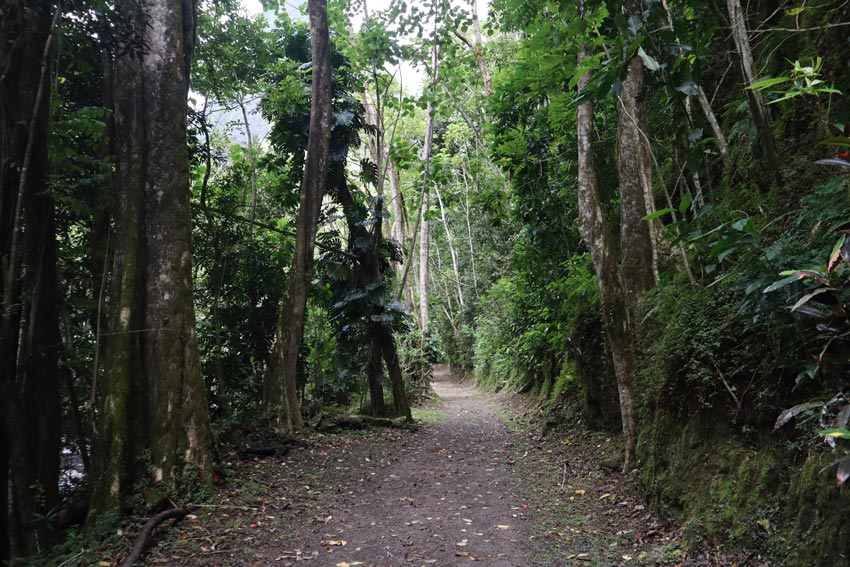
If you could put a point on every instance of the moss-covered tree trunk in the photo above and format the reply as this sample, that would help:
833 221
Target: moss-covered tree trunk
637 255
603 250
29 317
280 391
153 396
625 270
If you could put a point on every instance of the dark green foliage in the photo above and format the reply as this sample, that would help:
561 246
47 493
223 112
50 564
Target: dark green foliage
237 291
545 334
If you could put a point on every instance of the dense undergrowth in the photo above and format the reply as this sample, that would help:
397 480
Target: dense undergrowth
740 367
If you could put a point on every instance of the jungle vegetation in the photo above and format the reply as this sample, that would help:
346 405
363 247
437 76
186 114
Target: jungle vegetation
637 209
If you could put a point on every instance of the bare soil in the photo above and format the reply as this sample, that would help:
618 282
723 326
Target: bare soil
474 482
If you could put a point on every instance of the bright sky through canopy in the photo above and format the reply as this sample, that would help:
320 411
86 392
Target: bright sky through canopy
411 76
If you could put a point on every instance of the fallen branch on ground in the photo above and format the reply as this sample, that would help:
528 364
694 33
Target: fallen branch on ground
329 423
147 531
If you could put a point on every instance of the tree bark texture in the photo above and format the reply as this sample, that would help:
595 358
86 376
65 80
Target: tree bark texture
424 244
758 110
29 317
624 271
603 253
421 223
636 262
153 395
280 388
636 254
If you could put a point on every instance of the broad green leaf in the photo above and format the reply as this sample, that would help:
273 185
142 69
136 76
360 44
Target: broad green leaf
649 61
658 213
685 203
762 84
781 283
803 300
790 413
841 141
838 432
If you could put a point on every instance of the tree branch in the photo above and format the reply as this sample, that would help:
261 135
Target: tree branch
147 531
272 228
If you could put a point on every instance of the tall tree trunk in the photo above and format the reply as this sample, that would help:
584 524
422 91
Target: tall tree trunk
636 245
424 243
29 317
280 388
592 225
719 138
758 110
374 375
251 160
452 249
400 234
170 348
623 272
425 225
421 223
469 228
368 274
154 399
390 352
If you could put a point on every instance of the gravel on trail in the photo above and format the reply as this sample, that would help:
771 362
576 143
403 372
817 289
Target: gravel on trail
475 481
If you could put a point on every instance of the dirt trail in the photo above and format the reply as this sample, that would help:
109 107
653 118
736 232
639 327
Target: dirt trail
469 484
444 501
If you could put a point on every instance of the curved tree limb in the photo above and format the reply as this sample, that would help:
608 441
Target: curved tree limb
149 527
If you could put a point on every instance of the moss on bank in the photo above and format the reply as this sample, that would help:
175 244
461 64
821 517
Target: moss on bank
707 452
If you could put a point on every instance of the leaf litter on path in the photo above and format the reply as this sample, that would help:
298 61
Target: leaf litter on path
480 485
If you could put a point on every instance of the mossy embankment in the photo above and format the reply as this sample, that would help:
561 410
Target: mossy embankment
708 452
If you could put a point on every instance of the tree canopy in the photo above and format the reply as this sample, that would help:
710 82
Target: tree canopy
213 220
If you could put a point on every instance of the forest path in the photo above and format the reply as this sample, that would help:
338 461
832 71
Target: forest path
442 502
475 481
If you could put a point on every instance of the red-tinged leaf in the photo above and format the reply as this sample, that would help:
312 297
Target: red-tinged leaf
843 472
835 255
